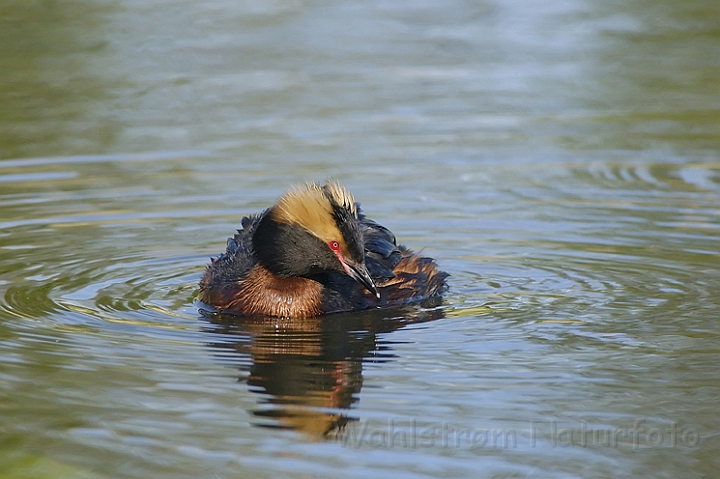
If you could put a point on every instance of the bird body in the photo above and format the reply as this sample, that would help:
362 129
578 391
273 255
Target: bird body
315 253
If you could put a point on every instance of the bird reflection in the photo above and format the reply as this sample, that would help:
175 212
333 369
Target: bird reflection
308 372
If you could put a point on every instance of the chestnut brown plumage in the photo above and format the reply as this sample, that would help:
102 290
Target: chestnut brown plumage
315 253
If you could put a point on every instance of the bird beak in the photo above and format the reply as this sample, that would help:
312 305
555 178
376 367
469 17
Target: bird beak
359 273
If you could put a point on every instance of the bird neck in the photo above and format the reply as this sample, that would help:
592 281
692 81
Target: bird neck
271 295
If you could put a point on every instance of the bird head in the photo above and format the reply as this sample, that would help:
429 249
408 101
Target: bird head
311 230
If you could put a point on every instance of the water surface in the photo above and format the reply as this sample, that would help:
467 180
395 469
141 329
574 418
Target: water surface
559 160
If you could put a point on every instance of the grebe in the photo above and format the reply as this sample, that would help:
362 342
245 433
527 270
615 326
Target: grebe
315 253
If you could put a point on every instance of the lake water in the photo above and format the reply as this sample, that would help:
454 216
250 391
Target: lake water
560 159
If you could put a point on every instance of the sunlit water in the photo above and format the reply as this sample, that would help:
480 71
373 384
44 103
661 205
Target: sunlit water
560 161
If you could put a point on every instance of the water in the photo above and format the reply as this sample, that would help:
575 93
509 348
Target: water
559 160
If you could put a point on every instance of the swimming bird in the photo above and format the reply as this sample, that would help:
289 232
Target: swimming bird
313 253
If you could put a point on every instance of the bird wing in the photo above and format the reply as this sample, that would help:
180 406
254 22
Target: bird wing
381 251
399 272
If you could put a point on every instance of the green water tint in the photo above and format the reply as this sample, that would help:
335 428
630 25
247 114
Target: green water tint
559 160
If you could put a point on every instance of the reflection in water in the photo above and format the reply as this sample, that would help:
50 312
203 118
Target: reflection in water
309 371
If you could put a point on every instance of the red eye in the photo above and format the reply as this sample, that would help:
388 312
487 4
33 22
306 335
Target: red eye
334 245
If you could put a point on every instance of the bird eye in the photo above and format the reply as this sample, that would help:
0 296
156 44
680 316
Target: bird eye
334 245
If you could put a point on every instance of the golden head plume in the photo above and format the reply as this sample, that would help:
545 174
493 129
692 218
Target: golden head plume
311 206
